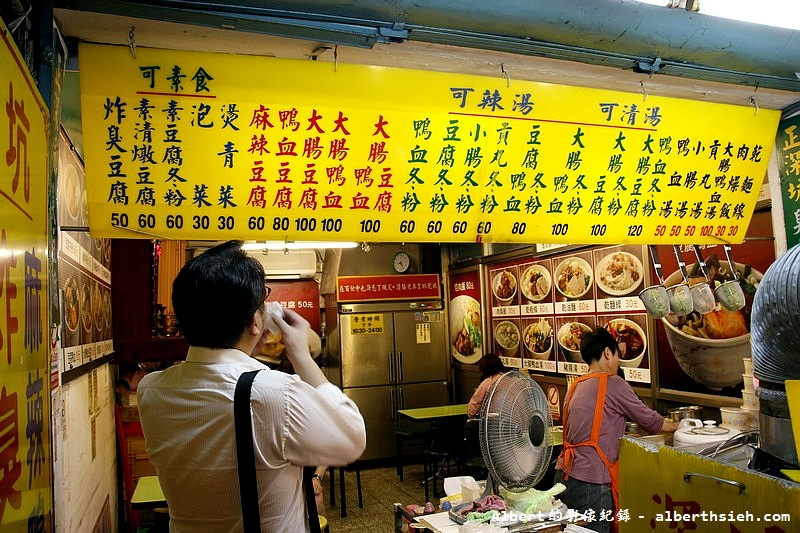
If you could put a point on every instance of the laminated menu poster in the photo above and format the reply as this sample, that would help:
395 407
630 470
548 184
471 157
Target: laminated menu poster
84 270
542 307
466 321
704 352
192 145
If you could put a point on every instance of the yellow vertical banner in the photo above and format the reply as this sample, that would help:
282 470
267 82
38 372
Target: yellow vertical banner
185 145
25 451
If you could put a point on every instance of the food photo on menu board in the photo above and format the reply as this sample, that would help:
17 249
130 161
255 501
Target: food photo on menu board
704 352
536 288
466 323
573 277
619 270
630 332
538 344
536 283
569 332
507 341
504 286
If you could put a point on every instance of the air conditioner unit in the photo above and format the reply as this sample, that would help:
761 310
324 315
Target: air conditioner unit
292 265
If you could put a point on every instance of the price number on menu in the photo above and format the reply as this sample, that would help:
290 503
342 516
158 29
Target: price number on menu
692 230
150 221
305 224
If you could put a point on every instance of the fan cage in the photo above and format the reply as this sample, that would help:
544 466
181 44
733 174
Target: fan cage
514 432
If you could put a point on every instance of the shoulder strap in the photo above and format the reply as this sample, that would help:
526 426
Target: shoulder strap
248 488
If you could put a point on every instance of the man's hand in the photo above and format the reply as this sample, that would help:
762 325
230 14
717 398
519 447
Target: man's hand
295 337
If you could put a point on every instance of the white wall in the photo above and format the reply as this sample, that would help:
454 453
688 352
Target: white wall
85 453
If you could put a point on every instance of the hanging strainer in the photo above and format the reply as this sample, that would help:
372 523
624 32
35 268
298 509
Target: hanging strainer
655 297
702 294
730 293
680 295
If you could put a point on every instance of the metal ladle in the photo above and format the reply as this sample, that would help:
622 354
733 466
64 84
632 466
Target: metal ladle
702 294
655 297
730 293
680 295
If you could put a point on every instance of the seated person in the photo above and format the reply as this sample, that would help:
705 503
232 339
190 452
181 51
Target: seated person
491 368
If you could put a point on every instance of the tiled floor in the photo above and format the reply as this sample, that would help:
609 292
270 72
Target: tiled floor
381 488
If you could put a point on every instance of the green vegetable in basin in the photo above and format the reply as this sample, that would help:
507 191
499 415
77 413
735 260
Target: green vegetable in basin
681 301
655 302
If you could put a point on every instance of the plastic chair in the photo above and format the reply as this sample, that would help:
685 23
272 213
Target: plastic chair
342 492
471 462
420 437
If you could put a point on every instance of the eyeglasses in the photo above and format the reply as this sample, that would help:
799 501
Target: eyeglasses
268 291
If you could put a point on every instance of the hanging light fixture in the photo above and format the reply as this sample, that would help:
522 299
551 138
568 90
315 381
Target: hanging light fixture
296 245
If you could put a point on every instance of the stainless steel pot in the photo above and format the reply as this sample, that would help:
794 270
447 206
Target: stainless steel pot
687 411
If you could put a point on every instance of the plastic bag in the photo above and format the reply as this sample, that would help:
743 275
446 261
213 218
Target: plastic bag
532 501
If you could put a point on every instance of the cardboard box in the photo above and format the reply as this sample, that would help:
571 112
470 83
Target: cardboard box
135 444
141 466
129 413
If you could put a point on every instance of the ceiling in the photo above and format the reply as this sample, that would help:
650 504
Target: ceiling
611 44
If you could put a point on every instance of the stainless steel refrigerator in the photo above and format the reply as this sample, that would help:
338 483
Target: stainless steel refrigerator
393 356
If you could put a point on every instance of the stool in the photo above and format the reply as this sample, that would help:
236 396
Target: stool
435 462
342 494
323 525
423 437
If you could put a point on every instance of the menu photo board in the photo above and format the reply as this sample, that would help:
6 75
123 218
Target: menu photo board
543 307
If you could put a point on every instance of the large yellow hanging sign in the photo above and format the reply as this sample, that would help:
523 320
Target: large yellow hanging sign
26 498
186 145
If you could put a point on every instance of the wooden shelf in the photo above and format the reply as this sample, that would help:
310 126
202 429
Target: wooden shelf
132 306
157 349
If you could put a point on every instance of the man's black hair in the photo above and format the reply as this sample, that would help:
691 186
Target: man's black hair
595 342
216 294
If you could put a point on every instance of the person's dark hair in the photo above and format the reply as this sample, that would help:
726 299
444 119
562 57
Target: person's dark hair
216 293
594 343
489 365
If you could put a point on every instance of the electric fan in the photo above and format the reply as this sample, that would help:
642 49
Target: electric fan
514 433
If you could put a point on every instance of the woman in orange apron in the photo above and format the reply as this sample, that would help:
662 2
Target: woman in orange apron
593 424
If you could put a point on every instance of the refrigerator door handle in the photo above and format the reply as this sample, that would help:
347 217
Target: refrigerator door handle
401 398
391 367
400 365
393 396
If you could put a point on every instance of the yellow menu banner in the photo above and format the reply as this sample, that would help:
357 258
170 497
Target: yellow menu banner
26 502
188 145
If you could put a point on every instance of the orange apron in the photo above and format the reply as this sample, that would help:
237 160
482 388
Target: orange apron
567 456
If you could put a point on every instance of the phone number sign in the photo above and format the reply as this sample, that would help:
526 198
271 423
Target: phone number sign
186 145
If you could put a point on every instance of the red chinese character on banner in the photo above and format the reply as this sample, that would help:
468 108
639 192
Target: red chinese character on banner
10 467
9 290
17 151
